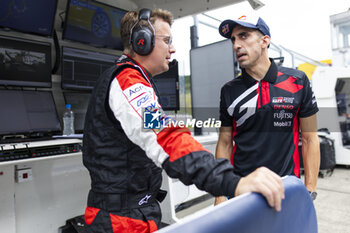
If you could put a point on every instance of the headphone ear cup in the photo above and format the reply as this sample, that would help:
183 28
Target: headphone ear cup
142 41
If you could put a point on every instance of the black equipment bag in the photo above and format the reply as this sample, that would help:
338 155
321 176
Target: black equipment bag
327 152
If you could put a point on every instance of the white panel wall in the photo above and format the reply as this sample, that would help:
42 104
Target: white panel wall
7 199
57 192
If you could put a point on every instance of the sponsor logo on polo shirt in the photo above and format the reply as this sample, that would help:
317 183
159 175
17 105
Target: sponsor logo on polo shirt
282 115
283 106
245 107
282 124
289 100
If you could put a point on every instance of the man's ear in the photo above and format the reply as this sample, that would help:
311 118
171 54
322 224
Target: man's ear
266 41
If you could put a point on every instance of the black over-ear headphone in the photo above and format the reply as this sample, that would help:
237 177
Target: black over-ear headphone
142 38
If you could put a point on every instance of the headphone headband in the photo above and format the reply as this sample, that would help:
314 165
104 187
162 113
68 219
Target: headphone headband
145 14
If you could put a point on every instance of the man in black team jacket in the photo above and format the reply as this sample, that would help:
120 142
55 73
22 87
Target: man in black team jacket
263 109
125 160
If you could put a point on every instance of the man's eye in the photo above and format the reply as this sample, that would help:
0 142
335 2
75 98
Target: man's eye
168 40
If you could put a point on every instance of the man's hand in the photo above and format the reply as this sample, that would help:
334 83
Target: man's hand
266 182
220 199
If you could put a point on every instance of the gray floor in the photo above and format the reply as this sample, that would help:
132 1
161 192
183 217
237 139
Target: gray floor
332 204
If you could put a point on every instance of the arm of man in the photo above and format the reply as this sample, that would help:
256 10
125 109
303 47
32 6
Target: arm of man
310 151
262 180
224 150
170 147
176 151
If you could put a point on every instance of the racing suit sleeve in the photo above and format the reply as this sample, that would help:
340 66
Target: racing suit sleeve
172 148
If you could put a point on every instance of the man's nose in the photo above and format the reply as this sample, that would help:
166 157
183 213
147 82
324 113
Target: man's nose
236 45
172 48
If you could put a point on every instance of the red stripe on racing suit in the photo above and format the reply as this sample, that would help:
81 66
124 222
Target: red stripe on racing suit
130 225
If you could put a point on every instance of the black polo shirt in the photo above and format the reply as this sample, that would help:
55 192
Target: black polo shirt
265 118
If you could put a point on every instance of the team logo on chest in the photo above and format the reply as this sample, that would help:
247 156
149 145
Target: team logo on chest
289 100
249 106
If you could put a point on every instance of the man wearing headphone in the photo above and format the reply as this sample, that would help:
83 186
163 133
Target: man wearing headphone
125 159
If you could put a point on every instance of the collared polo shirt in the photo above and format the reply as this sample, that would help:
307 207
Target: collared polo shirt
265 116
